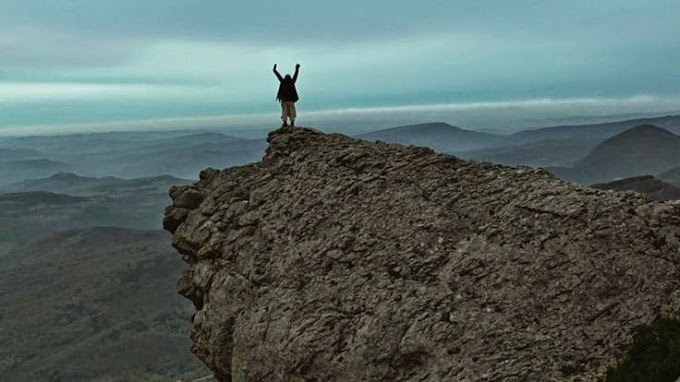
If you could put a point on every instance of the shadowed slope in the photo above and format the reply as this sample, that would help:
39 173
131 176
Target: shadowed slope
648 185
641 150
93 304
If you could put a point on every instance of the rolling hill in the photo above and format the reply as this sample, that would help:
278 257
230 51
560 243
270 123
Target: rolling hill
648 185
642 150
671 176
557 146
561 146
94 304
599 131
184 160
19 154
36 207
127 155
14 170
438 136
73 184
548 152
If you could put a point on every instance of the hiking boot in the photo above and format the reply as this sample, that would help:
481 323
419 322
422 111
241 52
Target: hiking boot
292 123
285 124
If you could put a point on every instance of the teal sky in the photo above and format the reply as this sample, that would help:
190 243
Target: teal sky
94 63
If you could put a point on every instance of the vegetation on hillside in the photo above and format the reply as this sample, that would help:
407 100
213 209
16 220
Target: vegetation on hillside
654 356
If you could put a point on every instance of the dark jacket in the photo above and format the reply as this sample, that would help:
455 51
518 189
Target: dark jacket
287 91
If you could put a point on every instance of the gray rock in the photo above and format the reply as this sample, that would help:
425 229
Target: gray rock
186 197
335 259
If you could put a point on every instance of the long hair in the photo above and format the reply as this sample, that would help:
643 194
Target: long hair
287 91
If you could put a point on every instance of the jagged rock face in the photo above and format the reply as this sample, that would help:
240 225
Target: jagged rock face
335 259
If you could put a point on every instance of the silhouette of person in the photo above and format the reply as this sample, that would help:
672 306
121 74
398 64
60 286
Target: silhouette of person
287 95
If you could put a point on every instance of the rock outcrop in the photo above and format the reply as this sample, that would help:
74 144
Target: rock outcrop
335 259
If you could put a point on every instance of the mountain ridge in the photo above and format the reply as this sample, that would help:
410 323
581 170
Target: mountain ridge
648 185
599 130
439 136
641 150
74 184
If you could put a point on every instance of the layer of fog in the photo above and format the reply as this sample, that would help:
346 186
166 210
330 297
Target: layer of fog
501 117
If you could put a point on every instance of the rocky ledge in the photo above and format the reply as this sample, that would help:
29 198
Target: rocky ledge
335 259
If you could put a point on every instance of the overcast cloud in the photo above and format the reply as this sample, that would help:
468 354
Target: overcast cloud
93 61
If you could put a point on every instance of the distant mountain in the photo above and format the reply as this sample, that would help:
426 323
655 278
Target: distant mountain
33 208
184 160
94 304
72 184
12 201
438 136
648 185
19 154
561 146
642 150
129 155
595 132
549 152
95 141
155 185
557 146
73 143
15 170
191 140
62 182
26 216
671 176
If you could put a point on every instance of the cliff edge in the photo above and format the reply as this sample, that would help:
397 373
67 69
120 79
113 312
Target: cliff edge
336 259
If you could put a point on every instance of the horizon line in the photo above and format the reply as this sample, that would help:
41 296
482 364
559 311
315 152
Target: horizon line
245 120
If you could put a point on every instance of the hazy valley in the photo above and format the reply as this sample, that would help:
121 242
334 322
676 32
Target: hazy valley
127 155
94 304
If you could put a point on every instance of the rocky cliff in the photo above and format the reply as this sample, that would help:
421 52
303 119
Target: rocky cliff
335 259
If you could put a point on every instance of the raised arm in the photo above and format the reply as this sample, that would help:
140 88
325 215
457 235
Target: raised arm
278 75
297 70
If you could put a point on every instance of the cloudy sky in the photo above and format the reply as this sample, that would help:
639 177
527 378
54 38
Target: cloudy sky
97 62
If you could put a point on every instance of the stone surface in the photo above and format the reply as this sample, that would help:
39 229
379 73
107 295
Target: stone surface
335 259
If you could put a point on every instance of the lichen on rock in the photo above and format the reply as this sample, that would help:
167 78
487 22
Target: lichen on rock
335 259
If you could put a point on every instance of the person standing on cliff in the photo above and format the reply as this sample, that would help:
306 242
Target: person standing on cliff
287 95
